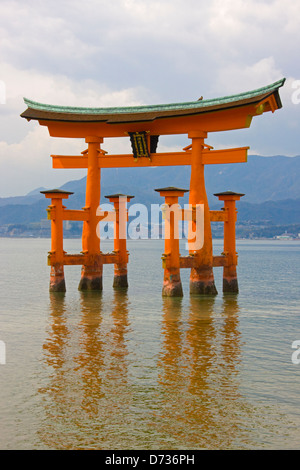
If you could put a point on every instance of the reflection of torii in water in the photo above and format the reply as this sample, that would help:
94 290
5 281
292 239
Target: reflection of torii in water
85 359
144 124
198 372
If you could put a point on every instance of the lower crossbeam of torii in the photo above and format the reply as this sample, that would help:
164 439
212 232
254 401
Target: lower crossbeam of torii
144 125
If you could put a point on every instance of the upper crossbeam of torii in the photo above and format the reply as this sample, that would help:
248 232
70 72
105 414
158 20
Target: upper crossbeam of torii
144 125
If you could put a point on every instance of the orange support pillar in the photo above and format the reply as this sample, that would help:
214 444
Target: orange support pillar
120 238
202 277
91 273
230 282
57 277
171 259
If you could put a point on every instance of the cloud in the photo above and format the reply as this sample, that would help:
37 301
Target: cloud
128 52
27 164
236 77
55 89
25 148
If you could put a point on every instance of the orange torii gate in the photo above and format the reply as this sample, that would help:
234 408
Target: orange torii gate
144 125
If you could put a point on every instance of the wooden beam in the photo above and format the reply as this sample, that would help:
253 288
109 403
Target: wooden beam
110 258
72 260
83 259
218 216
156 159
221 260
187 261
123 161
106 216
218 157
73 214
69 161
235 155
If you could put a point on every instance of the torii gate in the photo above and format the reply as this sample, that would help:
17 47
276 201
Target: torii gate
144 125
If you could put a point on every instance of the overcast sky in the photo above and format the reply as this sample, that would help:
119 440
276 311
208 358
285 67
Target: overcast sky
134 52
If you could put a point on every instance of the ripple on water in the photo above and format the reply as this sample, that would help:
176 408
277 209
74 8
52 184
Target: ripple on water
132 370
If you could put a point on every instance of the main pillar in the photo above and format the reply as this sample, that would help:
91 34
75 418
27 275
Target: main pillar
202 277
57 277
120 238
230 282
171 260
91 273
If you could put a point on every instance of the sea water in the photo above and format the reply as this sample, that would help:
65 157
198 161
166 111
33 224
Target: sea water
134 370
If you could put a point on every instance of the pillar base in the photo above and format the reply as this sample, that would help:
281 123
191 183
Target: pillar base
172 289
202 281
57 279
172 286
120 276
120 281
87 283
91 279
230 282
230 285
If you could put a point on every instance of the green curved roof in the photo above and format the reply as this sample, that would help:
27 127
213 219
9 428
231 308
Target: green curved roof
159 107
37 110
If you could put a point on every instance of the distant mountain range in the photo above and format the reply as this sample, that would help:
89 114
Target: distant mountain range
270 184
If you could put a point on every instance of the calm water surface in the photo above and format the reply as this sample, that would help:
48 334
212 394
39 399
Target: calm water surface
132 370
